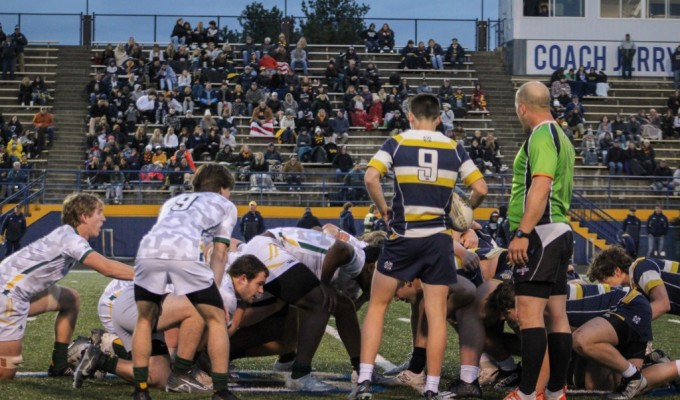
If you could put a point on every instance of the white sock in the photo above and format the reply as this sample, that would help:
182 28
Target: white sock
630 371
486 358
552 395
432 384
677 365
469 373
507 364
530 396
365 372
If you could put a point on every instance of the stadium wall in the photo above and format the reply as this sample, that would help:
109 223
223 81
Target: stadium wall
129 224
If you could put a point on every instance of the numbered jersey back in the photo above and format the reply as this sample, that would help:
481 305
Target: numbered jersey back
426 165
184 221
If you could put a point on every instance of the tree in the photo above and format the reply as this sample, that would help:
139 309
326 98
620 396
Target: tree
259 22
333 21
229 35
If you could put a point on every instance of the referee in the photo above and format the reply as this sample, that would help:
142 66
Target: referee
542 241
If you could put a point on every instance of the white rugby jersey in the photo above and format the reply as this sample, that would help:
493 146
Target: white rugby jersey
41 264
105 308
228 296
310 247
182 223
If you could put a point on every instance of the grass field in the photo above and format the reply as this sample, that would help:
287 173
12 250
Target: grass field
331 357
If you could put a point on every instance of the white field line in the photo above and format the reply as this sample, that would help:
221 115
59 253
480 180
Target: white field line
380 361
408 321
675 321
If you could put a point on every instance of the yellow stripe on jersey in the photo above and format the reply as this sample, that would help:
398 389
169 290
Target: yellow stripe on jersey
421 217
630 296
472 178
427 144
579 291
4 321
631 272
273 251
671 266
10 285
448 183
274 266
617 315
382 168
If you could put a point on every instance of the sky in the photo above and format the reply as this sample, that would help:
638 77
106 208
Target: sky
65 29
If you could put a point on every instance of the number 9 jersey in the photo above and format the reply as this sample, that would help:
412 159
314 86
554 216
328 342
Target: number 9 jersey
182 223
426 165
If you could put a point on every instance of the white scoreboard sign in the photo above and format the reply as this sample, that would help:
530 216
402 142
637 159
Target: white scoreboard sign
545 56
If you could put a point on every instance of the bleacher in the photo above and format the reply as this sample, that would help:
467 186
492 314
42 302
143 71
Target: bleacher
362 144
39 59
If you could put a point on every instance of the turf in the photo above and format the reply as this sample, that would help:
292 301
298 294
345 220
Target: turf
331 357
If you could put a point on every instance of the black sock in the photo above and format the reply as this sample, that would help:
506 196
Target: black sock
141 376
300 370
60 355
108 363
418 359
355 363
220 381
534 343
559 351
288 357
182 366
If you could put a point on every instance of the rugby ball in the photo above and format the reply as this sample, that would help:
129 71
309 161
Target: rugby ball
462 214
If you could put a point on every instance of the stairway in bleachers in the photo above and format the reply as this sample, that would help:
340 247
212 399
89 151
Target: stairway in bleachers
68 151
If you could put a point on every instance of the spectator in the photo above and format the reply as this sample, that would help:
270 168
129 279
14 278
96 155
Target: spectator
340 128
370 38
308 220
386 39
455 55
397 124
17 178
8 56
460 103
657 228
352 74
435 54
226 155
342 163
252 223
371 77
477 156
114 189
423 87
146 104
13 229
346 222
626 54
478 102
492 153
647 157
334 79
409 57
304 145
447 116
574 114
663 176
159 158
25 92
208 98
293 172
589 150
248 49
286 133
19 41
14 147
179 35
604 145
354 182
298 58
615 159
44 125
676 181
260 179
632 226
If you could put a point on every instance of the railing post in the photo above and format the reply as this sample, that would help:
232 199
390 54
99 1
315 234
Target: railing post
415 22
94 26
81 29
155 27
19 19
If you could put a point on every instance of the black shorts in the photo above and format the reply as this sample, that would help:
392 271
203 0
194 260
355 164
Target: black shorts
550 249
263 332
293 284
429 258
630 344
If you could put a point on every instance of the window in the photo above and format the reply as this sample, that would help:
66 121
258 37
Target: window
674 9
621 8
554 8
663 9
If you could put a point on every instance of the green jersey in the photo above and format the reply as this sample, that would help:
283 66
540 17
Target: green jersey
547 152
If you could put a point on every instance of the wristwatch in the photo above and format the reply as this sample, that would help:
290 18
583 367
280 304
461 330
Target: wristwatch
520 234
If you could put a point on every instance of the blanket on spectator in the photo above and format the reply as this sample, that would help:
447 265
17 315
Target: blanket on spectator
264 130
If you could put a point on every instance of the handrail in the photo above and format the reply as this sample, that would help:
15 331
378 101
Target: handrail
585 211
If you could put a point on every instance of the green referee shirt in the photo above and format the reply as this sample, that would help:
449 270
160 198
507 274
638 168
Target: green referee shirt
547 152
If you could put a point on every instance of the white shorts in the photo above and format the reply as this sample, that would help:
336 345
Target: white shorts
124 318
186 276
13 315
275 258
105 309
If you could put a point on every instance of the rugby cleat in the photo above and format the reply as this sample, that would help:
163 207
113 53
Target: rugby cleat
76 349
487 376
362 391
463 390
66 371
407 378
508 379
308 383
283 366
629 387
376 379
541 395
401 367
185 383
430 395
88 365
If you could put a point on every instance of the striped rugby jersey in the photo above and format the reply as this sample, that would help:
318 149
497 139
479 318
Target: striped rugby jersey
426 165
648 273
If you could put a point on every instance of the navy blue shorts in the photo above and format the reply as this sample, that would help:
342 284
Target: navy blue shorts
429 258
637 314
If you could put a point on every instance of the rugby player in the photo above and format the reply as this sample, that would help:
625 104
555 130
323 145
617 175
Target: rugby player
28 282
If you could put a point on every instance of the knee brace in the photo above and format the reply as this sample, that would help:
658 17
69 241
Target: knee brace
11 362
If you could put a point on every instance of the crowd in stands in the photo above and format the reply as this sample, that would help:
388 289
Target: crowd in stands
12 52
624 144
269 83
